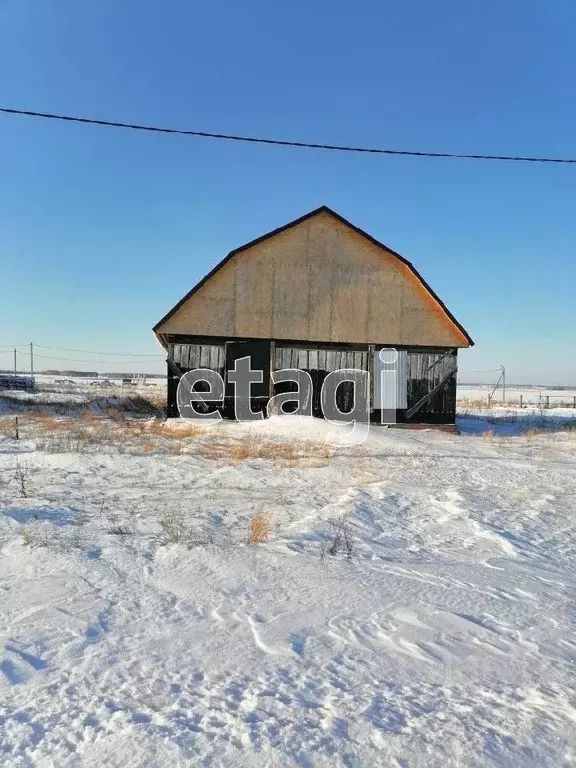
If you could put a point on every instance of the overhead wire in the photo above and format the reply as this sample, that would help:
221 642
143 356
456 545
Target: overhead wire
6 348
94 362
284 142
91 352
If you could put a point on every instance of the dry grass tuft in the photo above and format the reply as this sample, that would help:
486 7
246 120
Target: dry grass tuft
8 427
23 476
259 528
362 451
118 529
249 449
27 536
214 450
339 538
49 423
156 396
44 422
33 536
116 413
89 417
175 530
364 478
305 453
157 428
488 435
184 431
476 403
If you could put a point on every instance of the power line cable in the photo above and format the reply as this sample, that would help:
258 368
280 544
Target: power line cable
92 362
9 347
284 143
483 370
90 352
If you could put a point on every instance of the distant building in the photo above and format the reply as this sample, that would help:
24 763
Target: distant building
321 295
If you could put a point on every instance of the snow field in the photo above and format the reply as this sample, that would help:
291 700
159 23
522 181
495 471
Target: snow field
138 627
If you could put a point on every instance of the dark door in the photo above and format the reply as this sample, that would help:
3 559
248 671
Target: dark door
259 354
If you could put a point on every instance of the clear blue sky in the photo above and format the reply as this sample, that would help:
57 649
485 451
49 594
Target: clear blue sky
102 230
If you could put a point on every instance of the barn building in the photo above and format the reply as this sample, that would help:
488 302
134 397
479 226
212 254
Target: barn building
321 295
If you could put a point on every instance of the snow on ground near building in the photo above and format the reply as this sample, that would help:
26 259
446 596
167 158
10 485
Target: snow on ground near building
412 605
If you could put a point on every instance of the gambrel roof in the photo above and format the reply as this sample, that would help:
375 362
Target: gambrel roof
460 336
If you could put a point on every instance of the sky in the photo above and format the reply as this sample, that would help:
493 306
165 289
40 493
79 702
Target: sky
102 230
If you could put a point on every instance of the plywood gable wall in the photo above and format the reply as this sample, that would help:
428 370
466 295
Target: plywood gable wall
319 280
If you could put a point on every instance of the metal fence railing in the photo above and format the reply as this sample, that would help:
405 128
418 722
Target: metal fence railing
545 402
538 401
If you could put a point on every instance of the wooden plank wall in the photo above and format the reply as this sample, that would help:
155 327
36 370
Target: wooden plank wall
320 359
191 356
319 363
425 371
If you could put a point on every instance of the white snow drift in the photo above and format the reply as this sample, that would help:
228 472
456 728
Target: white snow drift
443 637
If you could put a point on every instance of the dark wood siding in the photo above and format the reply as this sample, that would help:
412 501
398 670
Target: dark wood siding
426 370
191 356
318 363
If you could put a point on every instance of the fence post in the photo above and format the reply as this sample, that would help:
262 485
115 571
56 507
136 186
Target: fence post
574 401
548 401
520 401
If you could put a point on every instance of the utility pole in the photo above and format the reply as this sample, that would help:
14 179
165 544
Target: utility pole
15 367
31 359
503 385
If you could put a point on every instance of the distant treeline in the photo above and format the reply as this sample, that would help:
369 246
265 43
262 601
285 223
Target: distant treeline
88 374
11 371
85 374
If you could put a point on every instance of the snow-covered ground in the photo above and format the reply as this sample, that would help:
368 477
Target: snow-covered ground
139 627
